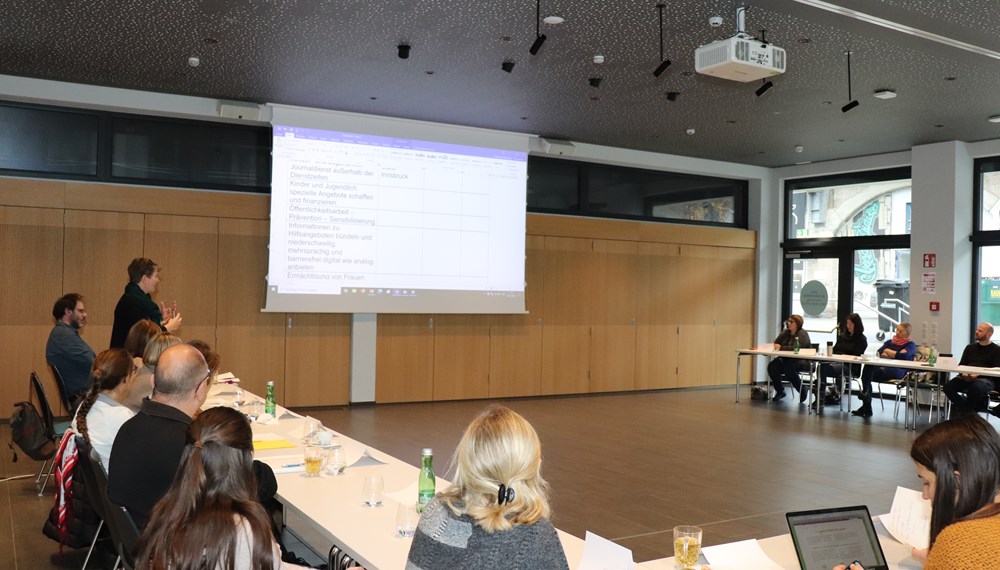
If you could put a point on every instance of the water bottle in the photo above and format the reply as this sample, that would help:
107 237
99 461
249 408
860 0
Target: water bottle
426 483
932 357
269 403
795 345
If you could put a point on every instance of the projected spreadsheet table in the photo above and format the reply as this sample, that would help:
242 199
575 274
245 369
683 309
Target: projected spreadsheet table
364 211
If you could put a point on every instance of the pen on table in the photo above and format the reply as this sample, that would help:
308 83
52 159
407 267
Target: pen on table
292 465
227 382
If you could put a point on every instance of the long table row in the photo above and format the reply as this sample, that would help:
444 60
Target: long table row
328 511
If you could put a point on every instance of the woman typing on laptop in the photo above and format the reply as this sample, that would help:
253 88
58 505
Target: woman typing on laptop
959 464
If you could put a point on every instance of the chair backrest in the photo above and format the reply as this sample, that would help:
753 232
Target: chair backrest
124 532
61 386
90 480
43 405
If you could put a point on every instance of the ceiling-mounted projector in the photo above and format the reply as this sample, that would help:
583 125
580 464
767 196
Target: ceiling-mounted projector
740 58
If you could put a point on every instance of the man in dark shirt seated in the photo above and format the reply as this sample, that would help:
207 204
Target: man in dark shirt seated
148 447
969 393
65 350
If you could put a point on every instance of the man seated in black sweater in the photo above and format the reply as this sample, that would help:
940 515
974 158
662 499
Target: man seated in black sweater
969 393
148 447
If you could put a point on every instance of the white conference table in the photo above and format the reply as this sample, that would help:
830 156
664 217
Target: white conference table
781 550
327 511
938 368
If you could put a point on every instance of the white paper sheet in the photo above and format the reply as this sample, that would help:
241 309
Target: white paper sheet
602 554
739 556
909 520
285 464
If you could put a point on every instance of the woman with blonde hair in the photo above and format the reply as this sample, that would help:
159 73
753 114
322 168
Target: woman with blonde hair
495 514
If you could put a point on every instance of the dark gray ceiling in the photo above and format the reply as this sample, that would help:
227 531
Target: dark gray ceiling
341 54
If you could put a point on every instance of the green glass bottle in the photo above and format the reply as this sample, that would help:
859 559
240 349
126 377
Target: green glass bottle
269 403
426 484
795 345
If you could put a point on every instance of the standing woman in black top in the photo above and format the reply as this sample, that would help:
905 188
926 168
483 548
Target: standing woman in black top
788 368
850 340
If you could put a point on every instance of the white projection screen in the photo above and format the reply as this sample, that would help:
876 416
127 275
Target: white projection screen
379 215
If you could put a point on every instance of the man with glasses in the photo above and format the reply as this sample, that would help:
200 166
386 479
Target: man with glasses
148 447
66 351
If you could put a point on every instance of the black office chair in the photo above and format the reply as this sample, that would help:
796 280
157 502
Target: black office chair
61 386
124 532
53 429
93 489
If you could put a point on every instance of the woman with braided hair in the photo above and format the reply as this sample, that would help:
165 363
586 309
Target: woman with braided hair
495 514
210 517
105 406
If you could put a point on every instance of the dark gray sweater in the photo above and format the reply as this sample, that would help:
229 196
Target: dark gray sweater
446 541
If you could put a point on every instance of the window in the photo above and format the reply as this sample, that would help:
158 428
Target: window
583 188
986 241
865 204
48 140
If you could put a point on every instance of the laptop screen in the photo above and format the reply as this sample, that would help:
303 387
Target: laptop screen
826 537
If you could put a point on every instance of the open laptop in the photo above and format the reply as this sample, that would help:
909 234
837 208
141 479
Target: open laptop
824 538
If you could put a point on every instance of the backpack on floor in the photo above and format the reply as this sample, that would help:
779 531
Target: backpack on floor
29 433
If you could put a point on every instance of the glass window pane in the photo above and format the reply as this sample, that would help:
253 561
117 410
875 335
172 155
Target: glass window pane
991 201
40 140
552 185
190 153
721 210
989 285
864 209
882 291
811 280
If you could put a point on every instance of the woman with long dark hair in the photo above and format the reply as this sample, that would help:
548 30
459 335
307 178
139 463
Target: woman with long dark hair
210 517
959 464
105 406
851 340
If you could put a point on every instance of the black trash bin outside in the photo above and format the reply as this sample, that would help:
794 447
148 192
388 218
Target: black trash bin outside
893 303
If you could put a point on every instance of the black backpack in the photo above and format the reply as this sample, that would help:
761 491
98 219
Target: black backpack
29 433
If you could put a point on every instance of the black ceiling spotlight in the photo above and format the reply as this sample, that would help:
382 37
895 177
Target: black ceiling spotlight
664 63
764 88
507 66
854 102
594 81
539 37
403 51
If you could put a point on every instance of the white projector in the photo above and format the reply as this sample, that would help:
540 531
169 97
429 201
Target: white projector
739 59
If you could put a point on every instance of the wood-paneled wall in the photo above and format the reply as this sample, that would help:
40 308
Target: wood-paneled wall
611 305
58 237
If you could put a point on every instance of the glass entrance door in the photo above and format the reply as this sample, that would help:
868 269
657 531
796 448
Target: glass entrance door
815 290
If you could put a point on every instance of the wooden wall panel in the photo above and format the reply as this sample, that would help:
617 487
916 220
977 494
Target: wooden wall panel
251 343
656 333
98 248
318 360
696 310
32 193
30 282
404 361
516 340
187 250
176 201
567 316
615 314
461 357
735 313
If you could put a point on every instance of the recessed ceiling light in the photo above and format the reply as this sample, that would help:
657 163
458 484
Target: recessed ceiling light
884 94
950 78
804 40
553 20
428 72
595 98
373 98
194 61
598 59
687 73
505 38
938 126
211 41
994 119
828 102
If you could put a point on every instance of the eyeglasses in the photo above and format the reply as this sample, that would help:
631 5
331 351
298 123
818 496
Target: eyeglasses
207 377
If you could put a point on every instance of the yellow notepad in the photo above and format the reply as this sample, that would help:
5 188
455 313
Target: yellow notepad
261 445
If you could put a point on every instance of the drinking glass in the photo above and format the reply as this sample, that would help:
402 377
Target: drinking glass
335 460
315 457
254 409
312 426
239 397
406 519
687 547
371 493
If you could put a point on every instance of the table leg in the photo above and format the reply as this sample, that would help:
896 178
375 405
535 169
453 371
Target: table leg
739 357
